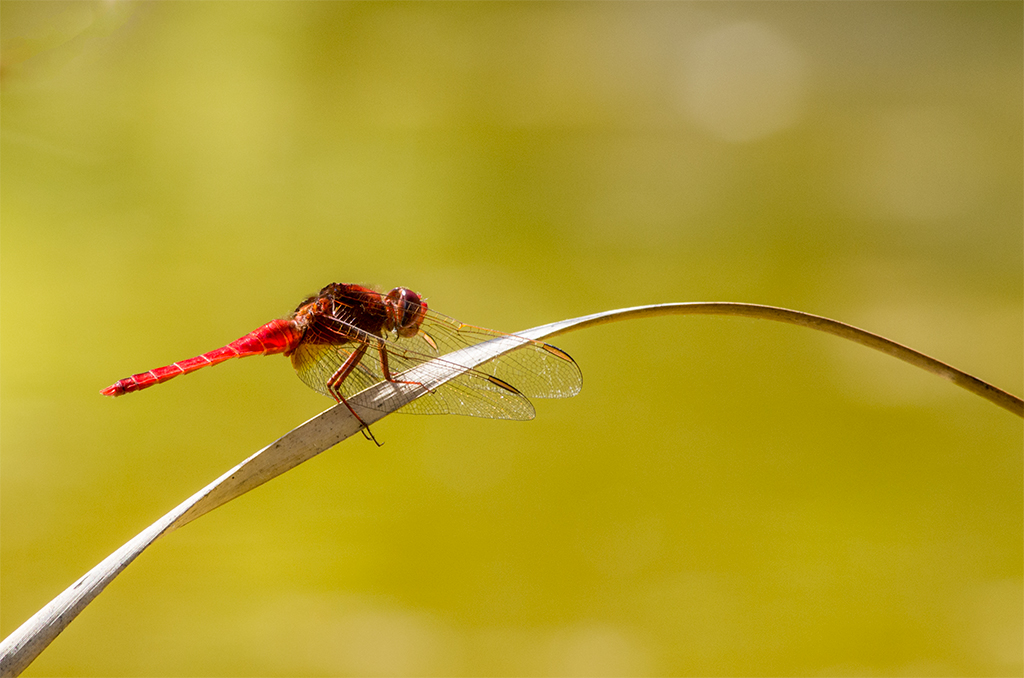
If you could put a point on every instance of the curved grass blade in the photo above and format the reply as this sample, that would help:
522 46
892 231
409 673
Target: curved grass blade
962 379
329 428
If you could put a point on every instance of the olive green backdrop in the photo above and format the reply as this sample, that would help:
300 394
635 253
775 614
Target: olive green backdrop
725 497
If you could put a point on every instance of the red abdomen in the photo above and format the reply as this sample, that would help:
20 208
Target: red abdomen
278 336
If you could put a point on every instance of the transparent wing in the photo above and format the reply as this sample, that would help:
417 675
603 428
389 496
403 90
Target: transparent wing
536 369
497 389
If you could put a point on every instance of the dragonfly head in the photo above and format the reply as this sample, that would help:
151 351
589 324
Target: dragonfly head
405 311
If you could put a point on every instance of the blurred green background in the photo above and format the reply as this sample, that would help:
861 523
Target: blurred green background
725 497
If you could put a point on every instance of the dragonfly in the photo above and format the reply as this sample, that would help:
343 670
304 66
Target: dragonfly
348 338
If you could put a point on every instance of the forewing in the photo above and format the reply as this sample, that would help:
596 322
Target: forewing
472 393
497 389
537 370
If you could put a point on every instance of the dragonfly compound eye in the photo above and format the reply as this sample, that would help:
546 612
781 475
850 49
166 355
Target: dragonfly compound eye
405 311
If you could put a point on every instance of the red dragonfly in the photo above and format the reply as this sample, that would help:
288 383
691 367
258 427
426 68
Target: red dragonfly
348 338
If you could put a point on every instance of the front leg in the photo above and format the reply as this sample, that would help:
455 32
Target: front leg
387 370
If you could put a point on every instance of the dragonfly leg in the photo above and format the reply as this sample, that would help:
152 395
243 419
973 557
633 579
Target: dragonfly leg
341 374
336 380
367 433
387 371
